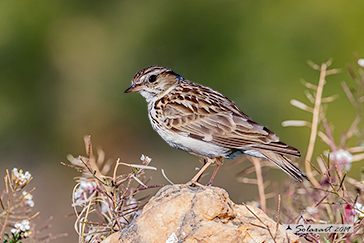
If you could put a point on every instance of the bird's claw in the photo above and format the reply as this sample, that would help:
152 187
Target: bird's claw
195 183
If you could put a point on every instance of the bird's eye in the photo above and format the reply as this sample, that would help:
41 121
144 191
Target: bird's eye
152 78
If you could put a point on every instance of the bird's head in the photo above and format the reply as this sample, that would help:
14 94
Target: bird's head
154 82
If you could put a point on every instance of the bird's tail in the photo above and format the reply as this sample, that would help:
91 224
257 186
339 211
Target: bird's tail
285 164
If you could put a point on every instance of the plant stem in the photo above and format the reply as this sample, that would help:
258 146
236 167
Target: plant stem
7 215
258 171
315 122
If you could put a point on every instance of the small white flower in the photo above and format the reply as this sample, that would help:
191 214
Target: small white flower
145 158
15 172
311 210
82 191
25 224
27 175
361 62
88 186
359 210
21 177
28 199
21 227
342 156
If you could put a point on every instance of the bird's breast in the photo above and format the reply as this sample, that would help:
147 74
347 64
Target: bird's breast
182 140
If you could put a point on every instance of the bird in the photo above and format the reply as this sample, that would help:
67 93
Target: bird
205 123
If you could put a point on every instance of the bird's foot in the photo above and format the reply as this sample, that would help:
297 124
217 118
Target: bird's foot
209 184
195 183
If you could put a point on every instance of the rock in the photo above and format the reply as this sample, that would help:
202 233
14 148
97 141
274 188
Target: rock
180 213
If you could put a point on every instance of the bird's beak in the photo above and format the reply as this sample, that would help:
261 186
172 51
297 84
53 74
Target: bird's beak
134 88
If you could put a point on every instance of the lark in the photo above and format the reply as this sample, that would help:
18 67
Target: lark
203 122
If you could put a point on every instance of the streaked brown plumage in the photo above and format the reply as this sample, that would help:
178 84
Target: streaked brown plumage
204 122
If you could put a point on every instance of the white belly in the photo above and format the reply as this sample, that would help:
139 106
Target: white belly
192 145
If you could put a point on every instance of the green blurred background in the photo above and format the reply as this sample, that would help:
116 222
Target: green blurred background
64 66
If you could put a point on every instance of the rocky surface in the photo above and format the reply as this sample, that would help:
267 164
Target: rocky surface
180 213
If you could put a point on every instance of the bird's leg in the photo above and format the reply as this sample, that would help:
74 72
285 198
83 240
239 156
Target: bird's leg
204 162
194 180
218 164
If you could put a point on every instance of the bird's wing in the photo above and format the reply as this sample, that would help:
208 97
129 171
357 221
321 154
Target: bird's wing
211 117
